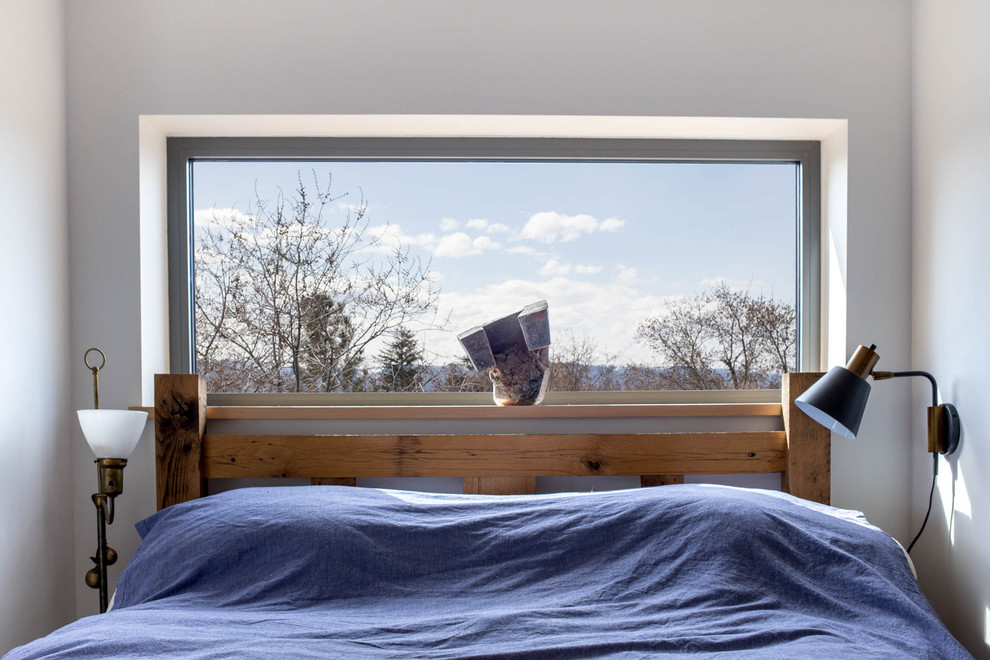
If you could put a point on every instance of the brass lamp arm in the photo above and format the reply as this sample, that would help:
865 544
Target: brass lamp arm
883 375
105 503
943 420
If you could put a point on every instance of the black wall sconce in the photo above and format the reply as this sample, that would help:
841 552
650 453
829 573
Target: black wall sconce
838 400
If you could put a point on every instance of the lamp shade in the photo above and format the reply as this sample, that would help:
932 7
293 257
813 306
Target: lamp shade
112 433
837 401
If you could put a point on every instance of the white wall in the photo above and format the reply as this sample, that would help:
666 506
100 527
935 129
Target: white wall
951 322
763 58
36 516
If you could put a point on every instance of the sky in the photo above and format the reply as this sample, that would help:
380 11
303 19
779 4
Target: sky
605 243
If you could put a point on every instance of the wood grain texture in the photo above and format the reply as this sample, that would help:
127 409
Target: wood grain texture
499 485
489 463
809 445
180 421
650 480
333 481
486 455
568 411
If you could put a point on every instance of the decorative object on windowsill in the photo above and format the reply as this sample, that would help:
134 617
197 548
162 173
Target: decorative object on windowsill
515 351
112 435
838 400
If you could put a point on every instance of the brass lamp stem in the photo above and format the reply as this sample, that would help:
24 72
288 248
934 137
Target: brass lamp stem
111 484
96 577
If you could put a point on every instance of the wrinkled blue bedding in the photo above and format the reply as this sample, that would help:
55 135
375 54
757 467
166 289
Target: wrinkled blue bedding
322 572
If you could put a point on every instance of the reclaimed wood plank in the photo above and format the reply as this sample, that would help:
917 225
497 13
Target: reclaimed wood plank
180 422
499 485
487 455
566 411
650 480
332 481
807 473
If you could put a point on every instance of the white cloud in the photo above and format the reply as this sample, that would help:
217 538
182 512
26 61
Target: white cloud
224 220
448 224
581 269
486 243
455 245
611 225
626 275
734 285
608 313
391 236
550 226
225 217
554 267
460 244
524 249
481 224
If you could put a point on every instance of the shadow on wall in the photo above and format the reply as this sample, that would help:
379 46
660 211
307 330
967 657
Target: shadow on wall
958 596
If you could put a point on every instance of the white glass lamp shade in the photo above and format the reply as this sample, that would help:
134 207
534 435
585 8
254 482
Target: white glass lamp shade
112 433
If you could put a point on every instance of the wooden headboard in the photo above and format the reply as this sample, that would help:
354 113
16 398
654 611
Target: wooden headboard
187 455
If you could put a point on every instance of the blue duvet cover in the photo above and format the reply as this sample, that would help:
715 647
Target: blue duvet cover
323 572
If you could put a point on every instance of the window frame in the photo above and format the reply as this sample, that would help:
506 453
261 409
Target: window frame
181 152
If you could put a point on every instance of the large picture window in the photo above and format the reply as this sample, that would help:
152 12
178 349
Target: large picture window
350 265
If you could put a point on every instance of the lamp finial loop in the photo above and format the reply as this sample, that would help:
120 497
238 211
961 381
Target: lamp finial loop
96 374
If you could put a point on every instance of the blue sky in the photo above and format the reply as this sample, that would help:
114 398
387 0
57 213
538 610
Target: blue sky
604 243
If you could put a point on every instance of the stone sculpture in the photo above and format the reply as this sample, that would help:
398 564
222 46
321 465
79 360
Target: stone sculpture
515 351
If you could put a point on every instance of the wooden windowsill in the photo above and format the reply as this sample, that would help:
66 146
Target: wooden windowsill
583 411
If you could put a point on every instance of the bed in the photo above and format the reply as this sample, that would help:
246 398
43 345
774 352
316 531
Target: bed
338 571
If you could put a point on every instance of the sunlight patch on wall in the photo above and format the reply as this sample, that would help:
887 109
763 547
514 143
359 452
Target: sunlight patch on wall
954 497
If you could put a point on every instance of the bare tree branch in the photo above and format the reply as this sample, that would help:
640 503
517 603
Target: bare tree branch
289 301
723 339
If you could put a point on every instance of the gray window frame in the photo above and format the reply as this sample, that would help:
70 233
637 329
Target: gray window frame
183 151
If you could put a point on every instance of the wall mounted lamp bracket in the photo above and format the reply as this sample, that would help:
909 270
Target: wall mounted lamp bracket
943 419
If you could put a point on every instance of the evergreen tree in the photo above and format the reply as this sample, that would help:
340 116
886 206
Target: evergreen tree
331 361
401 363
